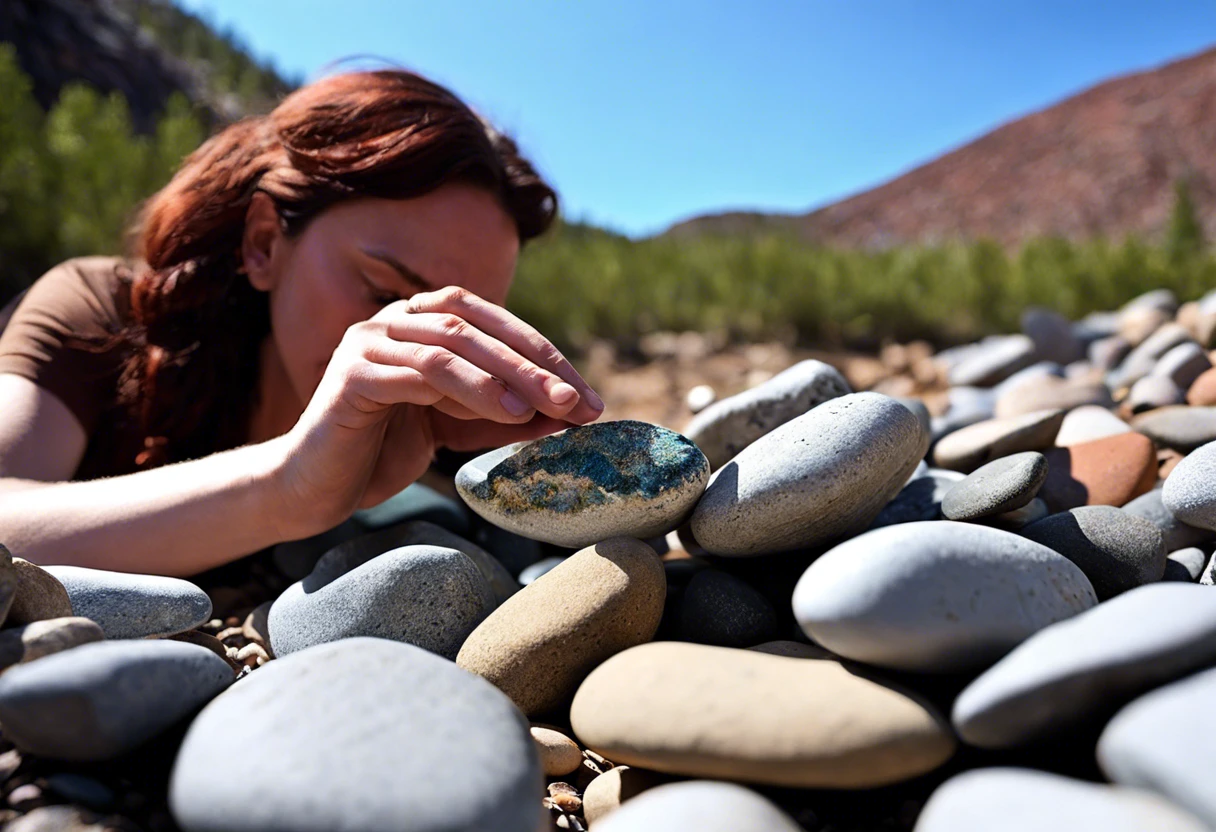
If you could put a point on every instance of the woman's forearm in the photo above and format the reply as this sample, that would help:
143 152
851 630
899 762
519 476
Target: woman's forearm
177 520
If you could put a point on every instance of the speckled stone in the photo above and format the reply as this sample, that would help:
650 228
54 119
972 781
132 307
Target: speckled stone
44 637
1164 742
706 806
1180 427
1078 672
39 595
823 475
427 596
801 722
95 701
543 641
1190 491
1001 486
128 605
1107 472
358 735
588 483
1116 550
1087 423
1177 534
936 597
1185 565
969 448
920 499
727 427
993 360
1026 800
718 608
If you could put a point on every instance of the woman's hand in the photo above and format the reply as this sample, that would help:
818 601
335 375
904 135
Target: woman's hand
442 368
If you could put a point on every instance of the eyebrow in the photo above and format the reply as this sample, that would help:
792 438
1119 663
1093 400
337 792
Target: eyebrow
409 275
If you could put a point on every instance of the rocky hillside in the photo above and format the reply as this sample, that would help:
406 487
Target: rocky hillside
1103 162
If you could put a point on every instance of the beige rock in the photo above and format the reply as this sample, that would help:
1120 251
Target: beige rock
970 447
1049 393
42 638
211 643
559 755
544 640
39 595
607 792
1137 325
701 711
1087 423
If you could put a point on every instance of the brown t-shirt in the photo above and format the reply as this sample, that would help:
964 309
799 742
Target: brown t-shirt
85 298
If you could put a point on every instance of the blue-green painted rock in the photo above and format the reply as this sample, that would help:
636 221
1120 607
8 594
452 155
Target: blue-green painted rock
588 483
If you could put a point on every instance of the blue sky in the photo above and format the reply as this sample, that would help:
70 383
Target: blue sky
643 112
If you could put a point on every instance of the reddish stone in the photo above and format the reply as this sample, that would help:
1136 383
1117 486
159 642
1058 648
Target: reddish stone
1105 472
1202 392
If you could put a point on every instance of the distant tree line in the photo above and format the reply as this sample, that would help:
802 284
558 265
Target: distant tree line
72 178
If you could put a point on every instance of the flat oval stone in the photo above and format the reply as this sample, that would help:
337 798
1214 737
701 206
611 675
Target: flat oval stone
44 637
39 595
544 640
969 448
966 406
1106 353
920 499
96 701
1002 485
702 805
588 483
1117 551
360 734
559 755
1180 427
1141 360
1105 472
993 360
1190 491
701 711
427 596
128 605
1053 335
1019 800
936 597
1087 423
1050 393
1162 742
1153 392
1202 392
727 427
1079 671
824 475
1175 533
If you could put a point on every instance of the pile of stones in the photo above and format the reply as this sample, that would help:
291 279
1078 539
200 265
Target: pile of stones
812 609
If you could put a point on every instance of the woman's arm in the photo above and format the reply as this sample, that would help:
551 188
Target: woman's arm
177 520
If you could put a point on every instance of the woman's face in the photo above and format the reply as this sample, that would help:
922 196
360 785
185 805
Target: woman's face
360 255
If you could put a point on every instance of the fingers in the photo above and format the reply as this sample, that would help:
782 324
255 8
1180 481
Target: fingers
511 332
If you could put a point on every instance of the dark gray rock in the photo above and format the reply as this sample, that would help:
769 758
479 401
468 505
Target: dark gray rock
428 596
1080 671
1164 742
936 597
96 701
727 427
1053 335
821 476
718 608
127 605
920 499
1175 533
1001 486
1022 800
994 360
1117 551
1179 427
323 748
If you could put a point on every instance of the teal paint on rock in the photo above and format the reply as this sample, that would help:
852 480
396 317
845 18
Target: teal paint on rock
588 483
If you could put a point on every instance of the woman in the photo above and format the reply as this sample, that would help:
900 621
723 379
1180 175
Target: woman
317 310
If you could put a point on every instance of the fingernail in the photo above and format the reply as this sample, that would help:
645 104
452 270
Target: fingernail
513 404
560 393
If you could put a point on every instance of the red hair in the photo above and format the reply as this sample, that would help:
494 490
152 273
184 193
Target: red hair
196 324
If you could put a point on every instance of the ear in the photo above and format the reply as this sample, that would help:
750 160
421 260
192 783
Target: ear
263 234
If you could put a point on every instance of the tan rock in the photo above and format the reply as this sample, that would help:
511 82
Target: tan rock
257 625
1049 393
1136 325
607 792
559 755
1202 392
211 643
42 638
1105 472
701 711
39 595
970 447
544 640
